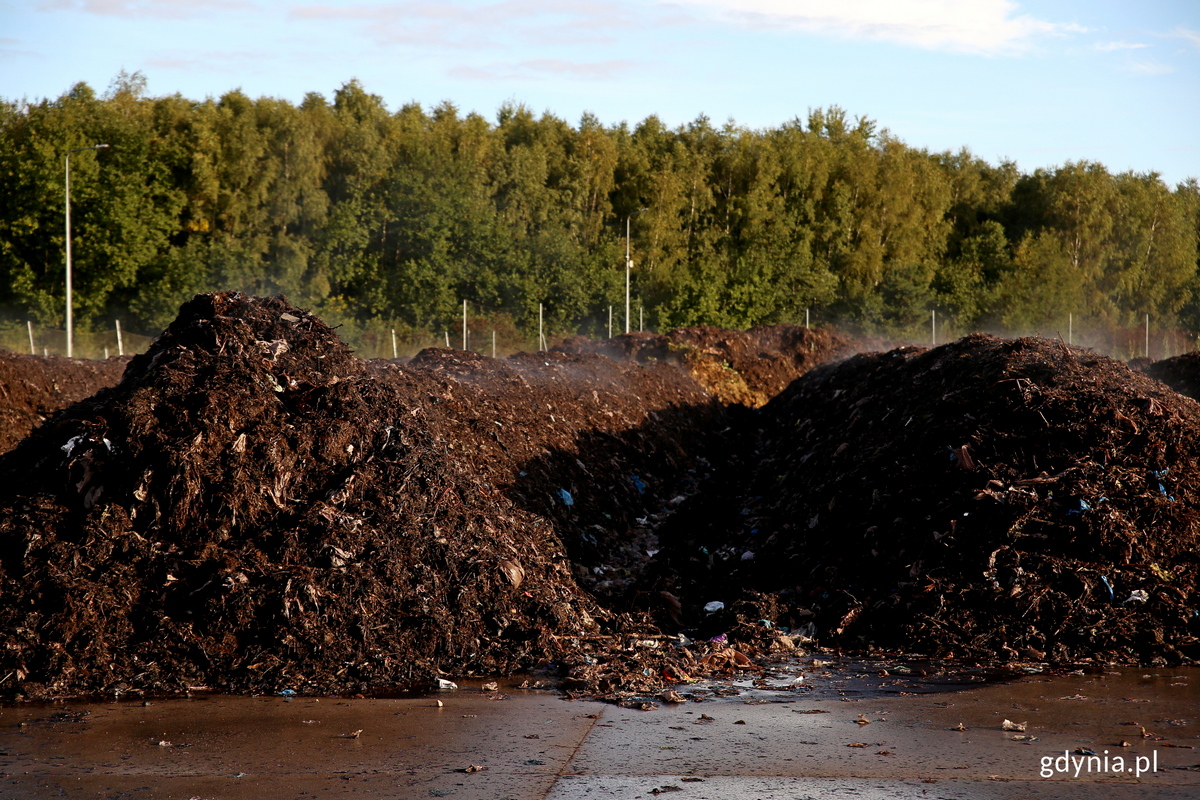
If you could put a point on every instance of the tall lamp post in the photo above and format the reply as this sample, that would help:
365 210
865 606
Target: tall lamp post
70 318
628 264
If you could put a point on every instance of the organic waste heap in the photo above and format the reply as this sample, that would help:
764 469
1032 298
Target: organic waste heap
253 508
746 367
34 387
1181 373
990 498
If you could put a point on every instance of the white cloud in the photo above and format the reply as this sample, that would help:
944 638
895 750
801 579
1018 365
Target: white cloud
546 68
1192 37
160 9
973 26
1109 47
458 24
1150 68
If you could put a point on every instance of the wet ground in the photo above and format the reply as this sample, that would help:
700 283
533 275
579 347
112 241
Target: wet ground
841 729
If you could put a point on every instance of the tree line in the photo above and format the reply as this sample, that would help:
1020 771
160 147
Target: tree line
374 217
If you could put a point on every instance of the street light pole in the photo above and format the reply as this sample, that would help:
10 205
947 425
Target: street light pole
628 265
70 317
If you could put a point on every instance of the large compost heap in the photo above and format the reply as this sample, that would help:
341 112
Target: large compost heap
34 387
253 508
745 367
1012 499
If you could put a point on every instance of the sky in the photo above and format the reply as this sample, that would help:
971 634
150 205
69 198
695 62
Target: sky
1039 82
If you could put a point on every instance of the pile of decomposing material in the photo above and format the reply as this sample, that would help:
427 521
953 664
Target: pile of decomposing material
34 387
253 508
1181 373
990 498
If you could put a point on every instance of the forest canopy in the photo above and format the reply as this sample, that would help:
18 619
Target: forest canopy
394 218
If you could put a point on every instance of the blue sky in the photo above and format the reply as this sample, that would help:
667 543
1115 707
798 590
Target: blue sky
1040 82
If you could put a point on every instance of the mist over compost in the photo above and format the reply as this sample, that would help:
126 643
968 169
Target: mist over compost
745 367
990 498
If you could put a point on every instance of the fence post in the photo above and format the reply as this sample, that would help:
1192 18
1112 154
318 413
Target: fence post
933 328
610 322
1147 336
394 353
120 343
464 325
29 324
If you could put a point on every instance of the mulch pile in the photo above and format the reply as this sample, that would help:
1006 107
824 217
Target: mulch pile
990 498
34 387
746 367
1181 373
253 508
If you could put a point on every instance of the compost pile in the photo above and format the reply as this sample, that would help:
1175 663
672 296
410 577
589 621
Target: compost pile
34 387
1181 373
990 498
252 508
746 367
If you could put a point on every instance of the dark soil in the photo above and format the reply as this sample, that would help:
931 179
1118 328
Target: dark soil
1011 499
252 508
33 387
746 367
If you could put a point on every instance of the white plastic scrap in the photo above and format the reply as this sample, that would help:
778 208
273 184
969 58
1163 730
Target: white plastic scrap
442 683
73 442
714 606
1137 596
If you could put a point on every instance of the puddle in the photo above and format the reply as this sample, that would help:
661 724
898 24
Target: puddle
845 729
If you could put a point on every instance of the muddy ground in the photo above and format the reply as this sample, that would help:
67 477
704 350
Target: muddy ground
252 508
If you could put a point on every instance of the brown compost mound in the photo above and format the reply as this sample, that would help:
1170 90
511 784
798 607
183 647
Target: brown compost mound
990 498
747 367
1181 373
34 387
252 508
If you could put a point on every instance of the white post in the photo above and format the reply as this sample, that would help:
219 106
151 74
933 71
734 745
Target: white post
70 322
541 335
120 342
447 340
1147 336
29 324
70 301
807 326
106 354
641 319
395 354
1070 327
464 325
493 344
610 322
933 336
